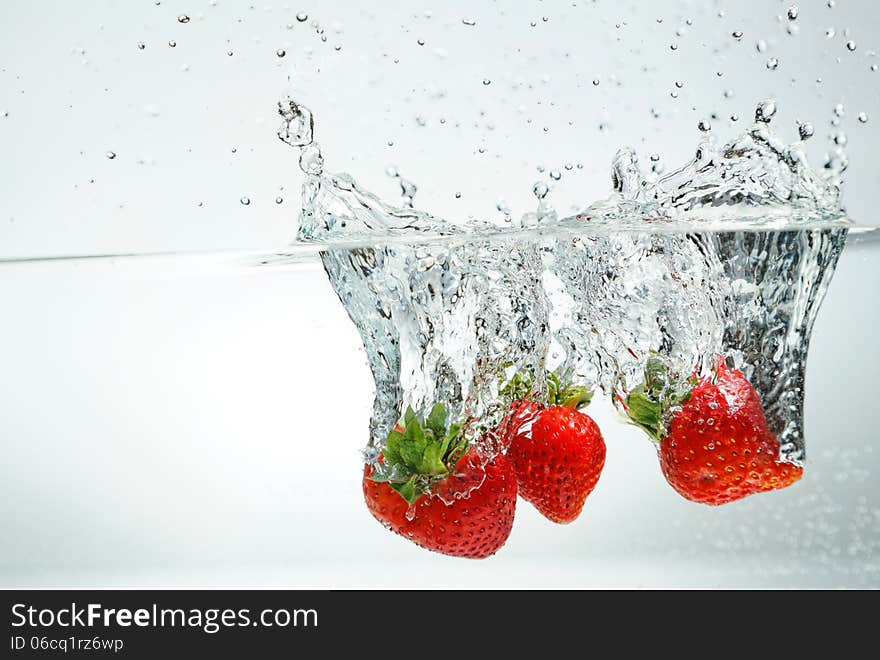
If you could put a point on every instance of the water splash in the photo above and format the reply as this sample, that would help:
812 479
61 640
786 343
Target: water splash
456 312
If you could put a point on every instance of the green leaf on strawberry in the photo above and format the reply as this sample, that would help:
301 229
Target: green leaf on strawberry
420 452
649 404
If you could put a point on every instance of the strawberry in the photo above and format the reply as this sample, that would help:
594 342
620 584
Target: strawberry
558 457
430 487
714 444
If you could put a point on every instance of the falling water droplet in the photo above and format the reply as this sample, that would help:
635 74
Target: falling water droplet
765 111
245 201
183 18
772 64
805 130
540 189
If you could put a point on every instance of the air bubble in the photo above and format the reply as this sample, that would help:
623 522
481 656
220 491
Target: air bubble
279 200
469 22
183 18
172 43
830 32
761 46
595 82
737 34
458 195
556 175
772 64
728 93
420 42
655 157
704 125
840 139
245 201
792 13
850 45
281 52
486 81
302 17
679 84
863 117
111 155
141 45
839 110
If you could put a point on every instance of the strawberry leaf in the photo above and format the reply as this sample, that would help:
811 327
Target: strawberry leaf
419 453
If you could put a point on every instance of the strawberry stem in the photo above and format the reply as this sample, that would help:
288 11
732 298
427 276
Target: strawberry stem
649 403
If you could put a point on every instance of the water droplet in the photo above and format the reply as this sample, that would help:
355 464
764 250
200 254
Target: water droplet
469 22
737 34
792 13
172 43
595 82
555 175
545 19
655 157
765 111
183 18
850 45
761 46
728 93
297 127
839 110
873 67
280 52
831 4
673 46
704 125
734 117
805 130
540 189
830 32
569 166
111 155
840 139
245 201
302 17
458 195
679 84
673 94
486 81
141 45
229 52
279 200
772 64
863 117
420 42
337 47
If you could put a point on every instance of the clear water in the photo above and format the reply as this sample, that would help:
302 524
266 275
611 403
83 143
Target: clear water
728 256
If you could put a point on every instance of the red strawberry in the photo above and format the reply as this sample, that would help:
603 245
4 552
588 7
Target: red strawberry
434 490
716 448
559 457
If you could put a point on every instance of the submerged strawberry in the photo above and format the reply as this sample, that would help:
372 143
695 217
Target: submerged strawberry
434 489
559 457
714 444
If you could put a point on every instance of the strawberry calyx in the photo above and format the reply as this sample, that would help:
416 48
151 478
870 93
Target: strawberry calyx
562 392
420 452
648 404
